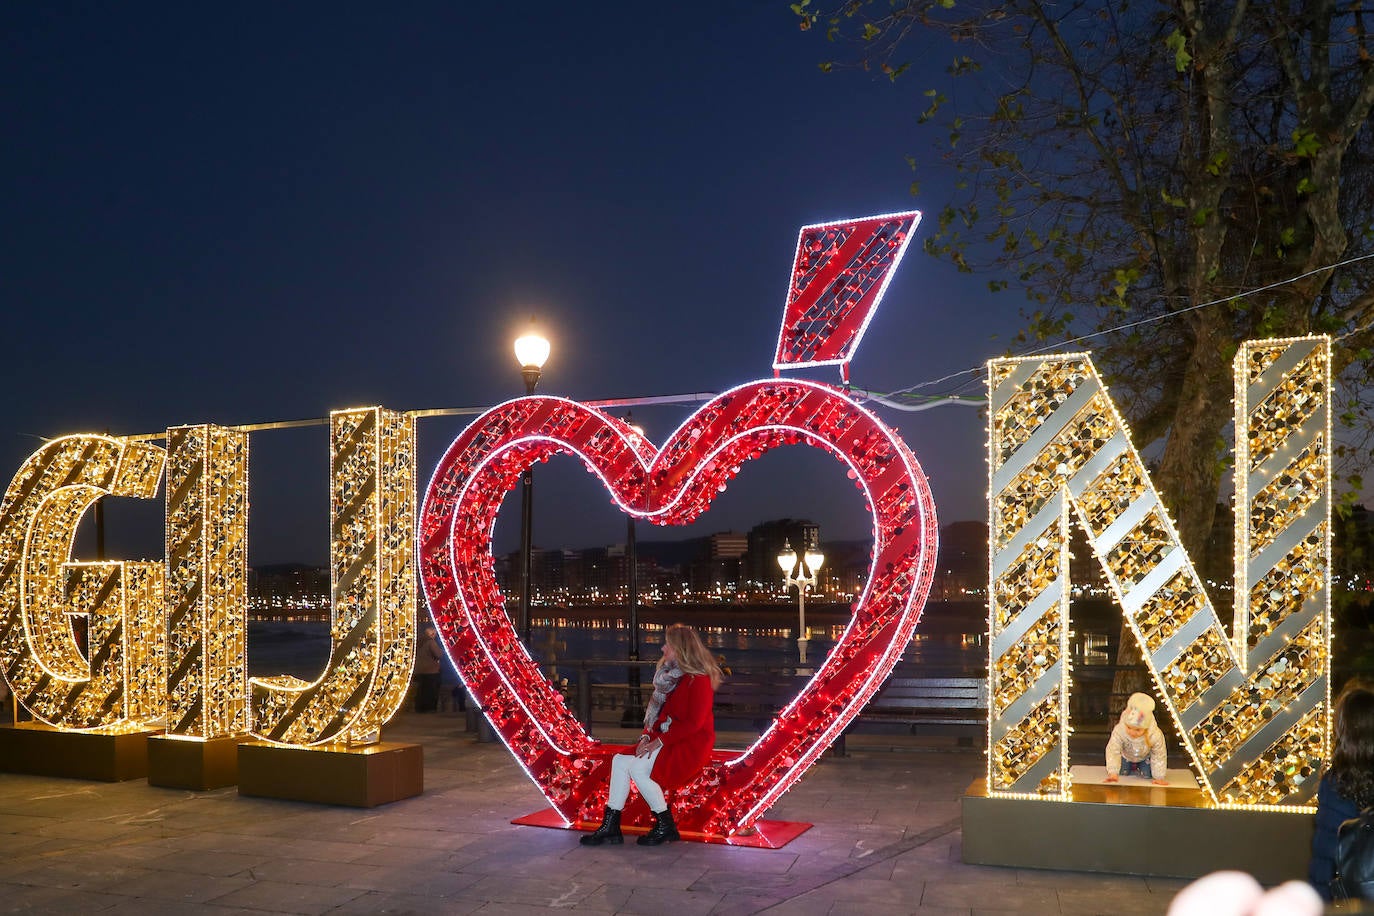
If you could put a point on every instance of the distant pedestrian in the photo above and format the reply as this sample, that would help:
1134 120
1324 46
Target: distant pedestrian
428 672
679 732
1136 747
1347 786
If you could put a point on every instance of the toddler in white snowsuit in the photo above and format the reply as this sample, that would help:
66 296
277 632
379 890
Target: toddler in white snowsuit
1136 747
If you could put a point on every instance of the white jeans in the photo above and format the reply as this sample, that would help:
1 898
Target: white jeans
627 768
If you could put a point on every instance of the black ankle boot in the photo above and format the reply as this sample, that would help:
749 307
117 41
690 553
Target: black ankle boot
608 832
663 831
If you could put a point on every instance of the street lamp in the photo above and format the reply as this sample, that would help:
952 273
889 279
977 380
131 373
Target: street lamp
531 351
634 712
801 574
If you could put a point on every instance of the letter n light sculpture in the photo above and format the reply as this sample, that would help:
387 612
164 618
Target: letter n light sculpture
838 277
1252 708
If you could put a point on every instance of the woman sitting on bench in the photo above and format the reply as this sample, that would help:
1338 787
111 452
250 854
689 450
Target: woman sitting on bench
679 732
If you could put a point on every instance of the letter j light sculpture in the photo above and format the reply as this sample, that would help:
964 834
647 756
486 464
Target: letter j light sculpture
801 574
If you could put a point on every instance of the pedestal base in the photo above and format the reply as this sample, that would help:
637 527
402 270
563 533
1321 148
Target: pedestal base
360 777
41 750
1134 831
187 763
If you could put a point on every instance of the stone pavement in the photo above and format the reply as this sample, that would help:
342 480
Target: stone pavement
885 841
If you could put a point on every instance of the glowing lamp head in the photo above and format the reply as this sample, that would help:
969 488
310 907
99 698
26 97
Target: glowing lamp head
814 559
787 560
531 352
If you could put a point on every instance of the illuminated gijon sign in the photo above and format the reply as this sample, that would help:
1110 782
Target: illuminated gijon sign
167 641
167 644
1252 709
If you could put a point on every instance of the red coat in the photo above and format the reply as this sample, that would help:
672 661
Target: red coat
688 741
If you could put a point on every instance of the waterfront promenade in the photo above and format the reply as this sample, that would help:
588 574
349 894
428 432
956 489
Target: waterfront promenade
885 841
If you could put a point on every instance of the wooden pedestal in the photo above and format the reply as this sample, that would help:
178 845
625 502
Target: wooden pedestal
175 762
1135 831
41 750
362 777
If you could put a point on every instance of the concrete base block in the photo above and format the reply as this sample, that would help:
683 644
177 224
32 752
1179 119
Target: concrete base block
175 762
41 750
1135 831
361 777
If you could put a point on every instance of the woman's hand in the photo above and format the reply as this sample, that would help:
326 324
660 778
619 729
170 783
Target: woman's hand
647 746
1111 777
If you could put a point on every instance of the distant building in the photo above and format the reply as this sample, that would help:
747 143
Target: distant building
289 592
717 569
728 545
961 570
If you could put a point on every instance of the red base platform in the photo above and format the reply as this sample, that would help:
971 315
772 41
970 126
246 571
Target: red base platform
766 835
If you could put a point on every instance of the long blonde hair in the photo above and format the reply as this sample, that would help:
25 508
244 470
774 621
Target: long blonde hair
692 654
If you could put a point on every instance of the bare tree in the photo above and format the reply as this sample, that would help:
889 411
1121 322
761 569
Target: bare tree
1200 172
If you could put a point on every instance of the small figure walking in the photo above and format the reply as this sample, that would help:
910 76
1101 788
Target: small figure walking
428 672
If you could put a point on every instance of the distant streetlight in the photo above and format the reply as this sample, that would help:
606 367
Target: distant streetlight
531 352
634 712
801 574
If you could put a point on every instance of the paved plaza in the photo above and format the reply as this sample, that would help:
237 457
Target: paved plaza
885 841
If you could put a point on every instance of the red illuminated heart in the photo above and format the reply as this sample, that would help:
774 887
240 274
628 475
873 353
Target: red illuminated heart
671 486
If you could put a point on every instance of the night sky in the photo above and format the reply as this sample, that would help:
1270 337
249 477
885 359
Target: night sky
257 212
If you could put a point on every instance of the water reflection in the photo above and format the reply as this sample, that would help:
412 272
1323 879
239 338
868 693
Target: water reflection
747 637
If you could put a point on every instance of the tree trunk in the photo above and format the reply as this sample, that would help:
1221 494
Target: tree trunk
1189 473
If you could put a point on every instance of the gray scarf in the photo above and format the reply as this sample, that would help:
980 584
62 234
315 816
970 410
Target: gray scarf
665 680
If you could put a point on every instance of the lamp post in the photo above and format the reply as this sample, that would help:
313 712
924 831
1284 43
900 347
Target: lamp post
531 351
634 712
801 573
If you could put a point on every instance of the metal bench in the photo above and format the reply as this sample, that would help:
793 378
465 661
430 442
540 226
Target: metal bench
956 705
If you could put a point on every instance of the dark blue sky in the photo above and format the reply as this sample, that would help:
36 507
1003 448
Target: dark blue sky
260 212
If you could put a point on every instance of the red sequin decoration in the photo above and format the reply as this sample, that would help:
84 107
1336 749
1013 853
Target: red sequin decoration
839 275
667 487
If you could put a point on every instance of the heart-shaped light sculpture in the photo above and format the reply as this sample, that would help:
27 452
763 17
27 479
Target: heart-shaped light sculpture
671 486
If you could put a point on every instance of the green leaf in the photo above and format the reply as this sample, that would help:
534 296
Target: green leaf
1306 186
1305 144
1179 45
